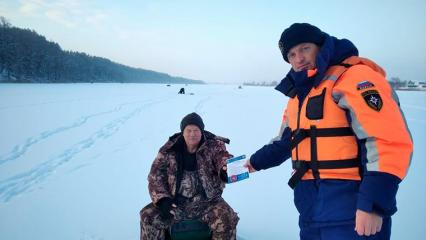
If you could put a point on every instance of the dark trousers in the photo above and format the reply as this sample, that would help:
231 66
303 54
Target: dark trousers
343 232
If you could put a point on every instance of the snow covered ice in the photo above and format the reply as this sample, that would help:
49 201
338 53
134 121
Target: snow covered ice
74 158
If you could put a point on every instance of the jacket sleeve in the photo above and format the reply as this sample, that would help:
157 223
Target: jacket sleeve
385 141
157 179
274 153
221 156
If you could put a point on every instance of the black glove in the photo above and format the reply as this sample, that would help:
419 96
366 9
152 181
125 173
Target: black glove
165 205
223 175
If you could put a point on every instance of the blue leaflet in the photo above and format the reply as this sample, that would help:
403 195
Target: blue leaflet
235 169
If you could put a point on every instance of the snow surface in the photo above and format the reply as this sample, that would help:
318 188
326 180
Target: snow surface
74 158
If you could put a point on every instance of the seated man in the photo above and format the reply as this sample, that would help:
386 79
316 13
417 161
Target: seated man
186 182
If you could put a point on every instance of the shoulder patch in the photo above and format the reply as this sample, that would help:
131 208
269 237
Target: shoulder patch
364 85
373 99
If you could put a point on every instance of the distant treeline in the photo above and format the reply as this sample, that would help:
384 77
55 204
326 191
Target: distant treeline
263 84
27 57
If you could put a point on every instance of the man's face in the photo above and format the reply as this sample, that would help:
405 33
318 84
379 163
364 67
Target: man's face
302 56
192 135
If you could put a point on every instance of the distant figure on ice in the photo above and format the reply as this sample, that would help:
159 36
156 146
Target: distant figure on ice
181 91
346 135
186 182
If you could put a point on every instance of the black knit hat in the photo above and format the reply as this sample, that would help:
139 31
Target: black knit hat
192 118
300 33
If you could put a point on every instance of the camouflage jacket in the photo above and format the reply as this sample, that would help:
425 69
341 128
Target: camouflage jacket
166 169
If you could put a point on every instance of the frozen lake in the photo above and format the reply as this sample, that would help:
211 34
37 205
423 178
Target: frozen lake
74 158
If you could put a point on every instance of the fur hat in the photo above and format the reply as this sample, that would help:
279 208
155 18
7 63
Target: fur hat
300 33
194 119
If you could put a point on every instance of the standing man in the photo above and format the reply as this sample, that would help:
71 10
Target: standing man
186 182
346 135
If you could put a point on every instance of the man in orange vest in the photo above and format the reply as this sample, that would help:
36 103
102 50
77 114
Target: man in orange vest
346 135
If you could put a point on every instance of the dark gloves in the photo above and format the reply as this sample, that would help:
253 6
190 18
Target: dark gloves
223 174
165 205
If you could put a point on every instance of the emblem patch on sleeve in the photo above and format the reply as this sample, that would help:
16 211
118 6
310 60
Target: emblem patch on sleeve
373 99
364 85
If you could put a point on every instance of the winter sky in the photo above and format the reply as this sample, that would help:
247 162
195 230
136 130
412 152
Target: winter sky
224 41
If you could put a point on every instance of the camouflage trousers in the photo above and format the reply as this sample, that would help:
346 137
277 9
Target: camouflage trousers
218 215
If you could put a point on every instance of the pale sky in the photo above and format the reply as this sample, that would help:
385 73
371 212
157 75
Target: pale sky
225 41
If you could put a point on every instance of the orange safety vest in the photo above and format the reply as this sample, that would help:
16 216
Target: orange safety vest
323 143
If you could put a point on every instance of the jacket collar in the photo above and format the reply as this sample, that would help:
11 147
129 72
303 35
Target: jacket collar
176 141
332 52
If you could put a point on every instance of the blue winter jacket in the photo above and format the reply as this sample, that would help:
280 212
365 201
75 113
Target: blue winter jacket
325 202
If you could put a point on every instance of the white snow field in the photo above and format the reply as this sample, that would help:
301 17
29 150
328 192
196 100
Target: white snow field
74 158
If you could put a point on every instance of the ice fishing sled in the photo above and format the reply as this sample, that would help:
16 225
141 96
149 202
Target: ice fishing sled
189 230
